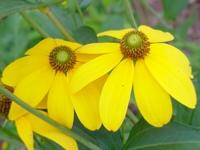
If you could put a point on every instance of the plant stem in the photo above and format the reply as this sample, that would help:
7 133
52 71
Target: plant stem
79 10
34 24
45 118
58 24
132 116
130 13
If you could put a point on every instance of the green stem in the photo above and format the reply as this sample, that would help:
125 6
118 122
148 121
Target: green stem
58 24
45 118
34 24
79 10
130 13
132 116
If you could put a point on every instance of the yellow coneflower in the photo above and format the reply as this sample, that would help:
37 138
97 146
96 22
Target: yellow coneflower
46 71
142 62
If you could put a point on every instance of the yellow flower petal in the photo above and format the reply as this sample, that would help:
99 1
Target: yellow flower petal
99 48
44 47
87 106
115 95
153 102
118 34
22 67
173 55
93 70
44 129
66 142
59 104
85 57
32 90
155 36
71 45
25 132
42 104
171 77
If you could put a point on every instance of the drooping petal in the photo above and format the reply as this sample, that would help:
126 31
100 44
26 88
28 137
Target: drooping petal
66 142
86 105
155 36
44 129
115 95
32 90
173 55
99 48
44 47
171 77
22 67
153 102
25 132
59 104
118 34
93 70
71 45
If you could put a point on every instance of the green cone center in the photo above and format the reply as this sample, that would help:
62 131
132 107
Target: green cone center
62 59
134 40
135 45
62 56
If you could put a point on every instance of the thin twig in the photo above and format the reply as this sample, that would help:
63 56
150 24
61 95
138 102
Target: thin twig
130 13
57 23
34 24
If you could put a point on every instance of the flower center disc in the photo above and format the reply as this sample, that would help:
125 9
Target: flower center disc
135 45
5 103
62 59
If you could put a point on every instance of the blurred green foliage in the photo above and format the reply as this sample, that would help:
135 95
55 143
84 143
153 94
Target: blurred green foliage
17 35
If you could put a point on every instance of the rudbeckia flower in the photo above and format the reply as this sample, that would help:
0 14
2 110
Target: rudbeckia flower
46 71
141 62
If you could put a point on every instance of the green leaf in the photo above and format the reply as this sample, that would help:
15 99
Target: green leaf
8 133
173 136
85 35
8 7
85 3
10 49
173 8
103 138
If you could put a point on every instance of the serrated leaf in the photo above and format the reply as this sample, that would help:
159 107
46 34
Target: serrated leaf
8 7
173 136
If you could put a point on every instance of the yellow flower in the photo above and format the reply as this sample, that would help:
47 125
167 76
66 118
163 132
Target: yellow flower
142 62
28 124
46 70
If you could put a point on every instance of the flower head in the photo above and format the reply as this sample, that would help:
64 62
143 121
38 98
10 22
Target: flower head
46 71
143 63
